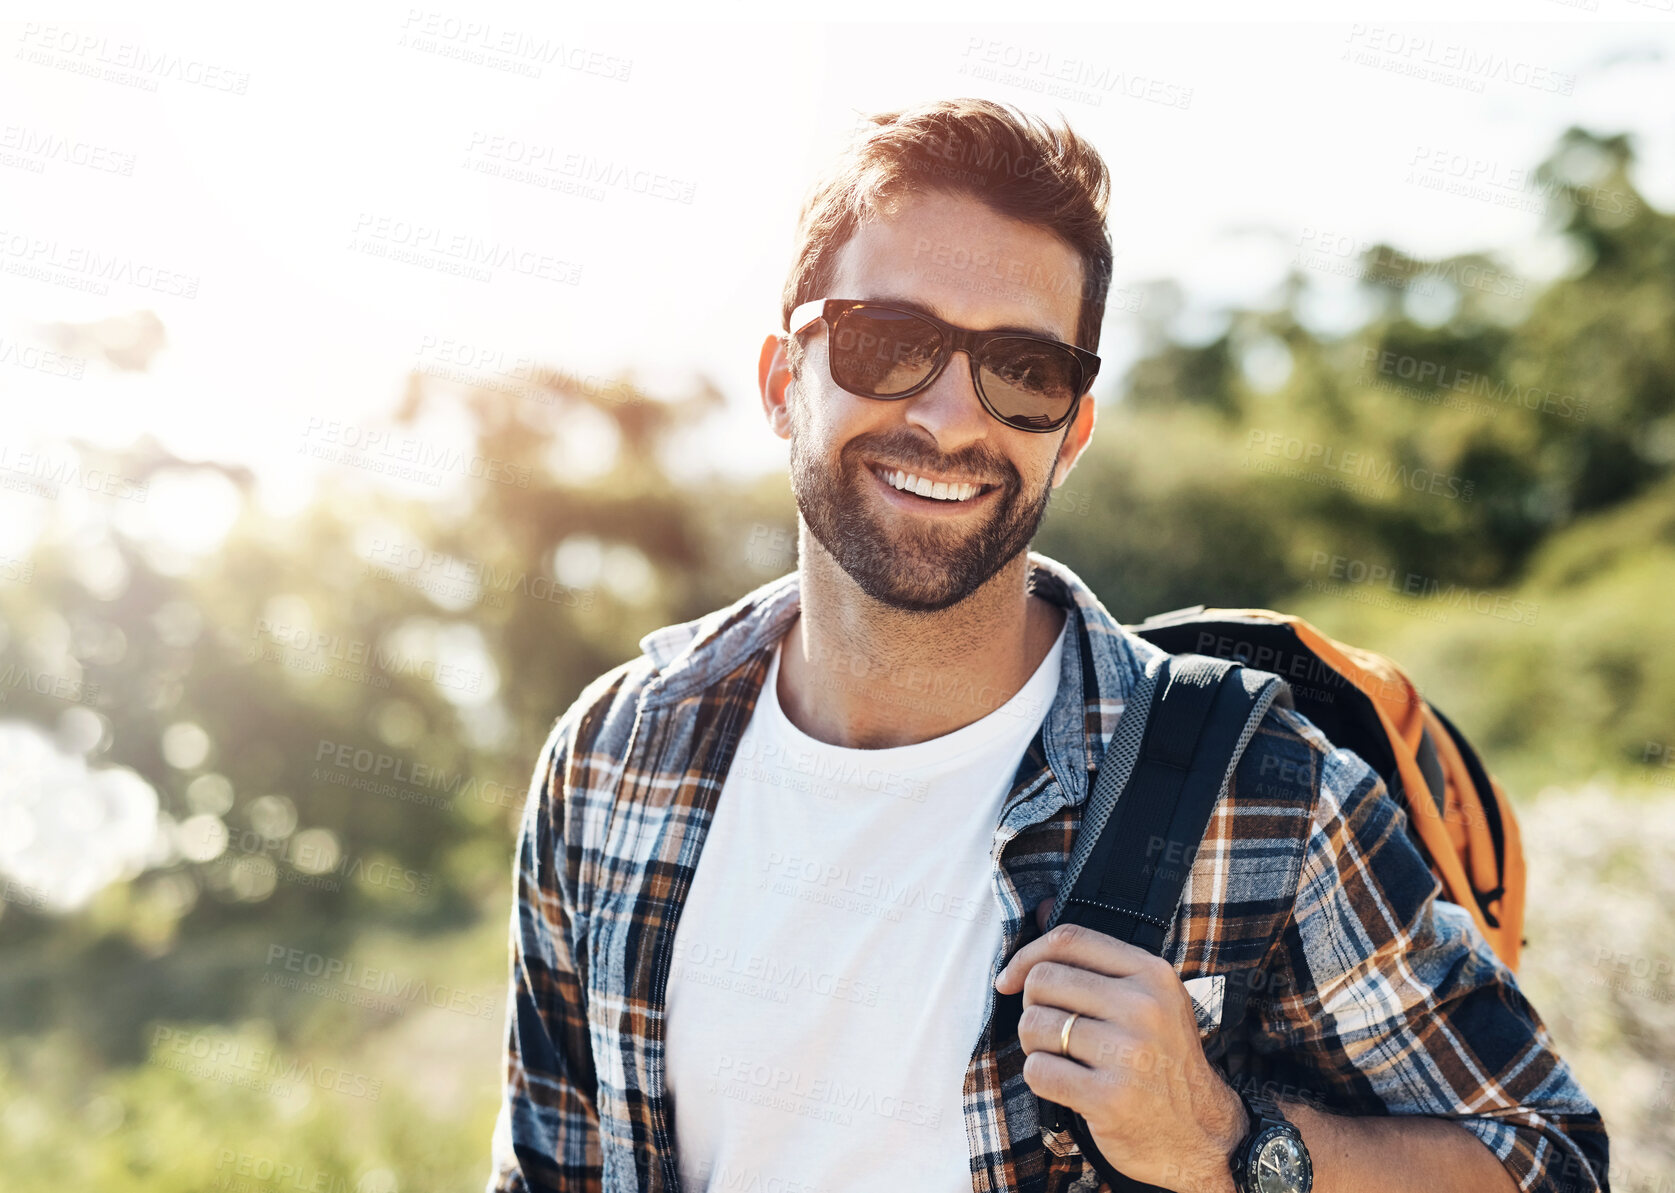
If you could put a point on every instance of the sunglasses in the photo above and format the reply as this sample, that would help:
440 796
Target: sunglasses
880 350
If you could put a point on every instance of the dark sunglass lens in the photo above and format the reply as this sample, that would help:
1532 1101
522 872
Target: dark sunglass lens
1030 384
882 353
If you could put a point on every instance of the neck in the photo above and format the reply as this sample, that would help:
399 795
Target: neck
858 673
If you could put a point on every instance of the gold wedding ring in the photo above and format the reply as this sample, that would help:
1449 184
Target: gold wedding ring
1064 1033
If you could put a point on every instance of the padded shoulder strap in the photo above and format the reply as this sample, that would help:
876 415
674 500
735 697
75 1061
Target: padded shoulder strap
1169 763
1171 759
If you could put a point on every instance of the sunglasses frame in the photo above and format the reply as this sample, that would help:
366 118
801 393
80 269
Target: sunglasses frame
954 339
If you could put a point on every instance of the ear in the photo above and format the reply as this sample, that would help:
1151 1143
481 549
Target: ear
1075 440
773 374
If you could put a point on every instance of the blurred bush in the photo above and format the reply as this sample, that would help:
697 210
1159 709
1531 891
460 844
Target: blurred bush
336 711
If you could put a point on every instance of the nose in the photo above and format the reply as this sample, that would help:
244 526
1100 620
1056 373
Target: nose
949 408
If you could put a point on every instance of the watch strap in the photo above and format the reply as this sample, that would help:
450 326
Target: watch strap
1262 1110
1263 1113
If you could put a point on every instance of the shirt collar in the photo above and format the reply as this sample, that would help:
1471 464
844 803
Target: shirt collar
1101 662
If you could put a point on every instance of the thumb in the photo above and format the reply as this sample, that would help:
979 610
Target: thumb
1043 909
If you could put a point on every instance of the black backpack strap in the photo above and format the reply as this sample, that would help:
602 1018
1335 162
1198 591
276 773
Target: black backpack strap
1173 754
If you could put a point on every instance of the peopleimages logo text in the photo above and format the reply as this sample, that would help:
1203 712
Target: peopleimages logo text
1363 466
1358 572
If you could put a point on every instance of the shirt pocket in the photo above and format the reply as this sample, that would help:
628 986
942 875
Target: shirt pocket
1207 994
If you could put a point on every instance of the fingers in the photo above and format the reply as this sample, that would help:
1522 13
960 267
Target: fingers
1060 1080
1071 988
1052 991
1041 1029
1104 1057
1095 1032
1072 944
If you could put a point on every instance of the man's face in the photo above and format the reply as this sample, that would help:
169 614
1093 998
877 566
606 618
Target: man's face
976 269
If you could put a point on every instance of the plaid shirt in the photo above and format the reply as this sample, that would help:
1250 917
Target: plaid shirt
1375 998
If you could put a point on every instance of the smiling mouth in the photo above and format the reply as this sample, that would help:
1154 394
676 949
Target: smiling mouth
951 492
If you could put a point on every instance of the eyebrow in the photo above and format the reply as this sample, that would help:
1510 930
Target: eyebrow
925 309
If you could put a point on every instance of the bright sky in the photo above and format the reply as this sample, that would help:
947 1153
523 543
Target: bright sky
277 173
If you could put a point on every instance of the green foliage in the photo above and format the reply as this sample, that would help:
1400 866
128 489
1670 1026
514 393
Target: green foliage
1517 450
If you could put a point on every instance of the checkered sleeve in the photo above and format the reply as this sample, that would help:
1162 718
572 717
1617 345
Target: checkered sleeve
546 1139
1390 1001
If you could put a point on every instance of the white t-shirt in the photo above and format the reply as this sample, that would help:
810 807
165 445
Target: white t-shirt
832 961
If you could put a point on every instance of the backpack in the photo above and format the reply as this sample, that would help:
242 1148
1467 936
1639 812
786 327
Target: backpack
1180 738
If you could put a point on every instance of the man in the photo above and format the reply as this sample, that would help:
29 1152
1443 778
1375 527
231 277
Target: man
781 879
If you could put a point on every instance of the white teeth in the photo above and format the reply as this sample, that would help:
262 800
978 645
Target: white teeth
936 490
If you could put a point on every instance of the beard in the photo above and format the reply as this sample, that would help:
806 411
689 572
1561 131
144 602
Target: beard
920 565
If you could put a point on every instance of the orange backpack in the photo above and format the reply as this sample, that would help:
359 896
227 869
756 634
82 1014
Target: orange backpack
1458 815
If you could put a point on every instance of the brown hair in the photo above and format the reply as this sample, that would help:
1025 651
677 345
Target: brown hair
1017 165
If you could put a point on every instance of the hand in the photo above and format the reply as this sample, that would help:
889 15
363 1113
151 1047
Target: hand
1156 1108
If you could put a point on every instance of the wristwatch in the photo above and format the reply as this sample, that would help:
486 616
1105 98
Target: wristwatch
1271 1158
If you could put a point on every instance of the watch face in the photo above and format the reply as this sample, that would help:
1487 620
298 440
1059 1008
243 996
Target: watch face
1281 1165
